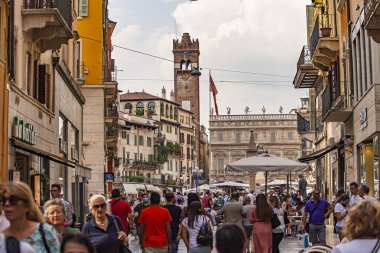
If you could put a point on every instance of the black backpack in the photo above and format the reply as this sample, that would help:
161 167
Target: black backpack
204 236
12 245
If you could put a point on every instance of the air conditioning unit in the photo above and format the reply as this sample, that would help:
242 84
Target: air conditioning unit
74 154
62 146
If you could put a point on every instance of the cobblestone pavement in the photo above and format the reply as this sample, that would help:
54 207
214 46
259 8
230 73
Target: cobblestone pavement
287 245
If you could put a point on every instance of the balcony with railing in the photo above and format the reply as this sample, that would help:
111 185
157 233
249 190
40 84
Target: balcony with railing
324 42
371 18
49 22
306 72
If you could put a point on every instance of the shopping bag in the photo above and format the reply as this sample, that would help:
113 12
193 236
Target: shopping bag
303 240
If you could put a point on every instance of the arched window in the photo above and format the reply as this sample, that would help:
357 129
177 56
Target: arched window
128 107
183 65
189 65
167 110
151 108
140 109
162 108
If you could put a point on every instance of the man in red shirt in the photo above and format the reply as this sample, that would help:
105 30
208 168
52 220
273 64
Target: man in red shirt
155 227
121 209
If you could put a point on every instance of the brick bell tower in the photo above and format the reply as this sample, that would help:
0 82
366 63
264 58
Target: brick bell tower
186 87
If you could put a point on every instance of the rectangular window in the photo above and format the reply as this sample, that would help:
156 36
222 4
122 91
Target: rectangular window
28 69
123 134
83 8
188 139
127 137
290 135
128 158
273 136
168 129
149 141
151 158
238 137
135 140
141 157
136 157
141 140
175 130
124 161
188 154
220 165
182 138
220 136
78 60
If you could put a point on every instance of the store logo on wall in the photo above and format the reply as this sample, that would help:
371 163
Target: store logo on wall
24 131
363 116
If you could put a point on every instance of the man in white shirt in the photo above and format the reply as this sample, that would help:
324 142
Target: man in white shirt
252 196
363 193
354 198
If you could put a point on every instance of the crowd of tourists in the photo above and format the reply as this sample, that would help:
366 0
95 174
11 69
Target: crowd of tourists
232 223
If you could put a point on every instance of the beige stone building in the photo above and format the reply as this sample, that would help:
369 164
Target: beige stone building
187 142
45 103
230 134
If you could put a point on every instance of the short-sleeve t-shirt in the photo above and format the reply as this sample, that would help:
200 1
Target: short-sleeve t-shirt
121 209
338 209
155 219
193 231
233 212
316 211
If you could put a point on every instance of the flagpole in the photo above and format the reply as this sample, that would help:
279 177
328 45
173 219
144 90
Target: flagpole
209 93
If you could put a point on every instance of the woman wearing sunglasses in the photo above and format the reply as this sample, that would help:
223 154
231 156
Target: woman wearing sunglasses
27 223
55 215
105 231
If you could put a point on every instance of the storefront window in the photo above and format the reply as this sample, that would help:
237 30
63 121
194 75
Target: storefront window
376 166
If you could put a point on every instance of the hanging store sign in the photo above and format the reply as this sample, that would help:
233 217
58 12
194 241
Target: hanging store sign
24 131
363 116
109 177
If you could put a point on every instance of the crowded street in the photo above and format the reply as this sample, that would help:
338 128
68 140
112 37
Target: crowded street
189 126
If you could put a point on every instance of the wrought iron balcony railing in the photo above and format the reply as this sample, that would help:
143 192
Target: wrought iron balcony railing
63 6
305 57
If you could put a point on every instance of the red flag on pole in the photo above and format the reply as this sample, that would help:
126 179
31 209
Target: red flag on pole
214 92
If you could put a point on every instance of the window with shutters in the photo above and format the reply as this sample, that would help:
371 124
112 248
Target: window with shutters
83 8
149 141
78 60
141 140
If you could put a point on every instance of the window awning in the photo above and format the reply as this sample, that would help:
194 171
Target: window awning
152 188
130 188
42 153
140 187
319 153
83 171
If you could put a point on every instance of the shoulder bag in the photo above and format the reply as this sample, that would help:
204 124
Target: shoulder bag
275 221
122 247
204 236
42 232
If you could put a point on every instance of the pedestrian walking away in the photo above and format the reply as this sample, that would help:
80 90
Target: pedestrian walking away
155 221
175 212
191 226
261 216
121 209
105 231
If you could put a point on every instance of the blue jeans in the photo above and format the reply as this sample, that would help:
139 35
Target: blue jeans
200 249
174 244
317 234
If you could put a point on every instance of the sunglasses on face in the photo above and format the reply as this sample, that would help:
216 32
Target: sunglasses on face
13 200
99 206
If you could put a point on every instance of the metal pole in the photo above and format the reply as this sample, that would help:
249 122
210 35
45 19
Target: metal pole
287 184
266 182
196 182
290 176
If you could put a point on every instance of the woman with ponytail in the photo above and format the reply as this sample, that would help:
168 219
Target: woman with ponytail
27 222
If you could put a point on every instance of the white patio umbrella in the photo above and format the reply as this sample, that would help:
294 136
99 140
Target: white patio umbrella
230 184
266 163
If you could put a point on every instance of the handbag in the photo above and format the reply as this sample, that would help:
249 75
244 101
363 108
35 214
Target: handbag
204 237
275 221
122 247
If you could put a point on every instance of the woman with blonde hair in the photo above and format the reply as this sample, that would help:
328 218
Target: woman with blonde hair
105 231
362 228
27 222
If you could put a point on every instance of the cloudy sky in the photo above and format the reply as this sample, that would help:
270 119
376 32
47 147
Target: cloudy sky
262 37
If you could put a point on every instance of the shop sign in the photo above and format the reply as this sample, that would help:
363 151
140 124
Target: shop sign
363 116
24 131
109 177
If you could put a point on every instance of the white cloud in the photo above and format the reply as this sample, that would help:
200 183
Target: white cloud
246 35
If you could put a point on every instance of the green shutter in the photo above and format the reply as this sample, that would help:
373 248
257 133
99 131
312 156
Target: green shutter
83 8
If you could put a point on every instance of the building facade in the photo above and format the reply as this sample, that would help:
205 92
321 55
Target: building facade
173 138
340 67
4 48
99 87
230 135
45 104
